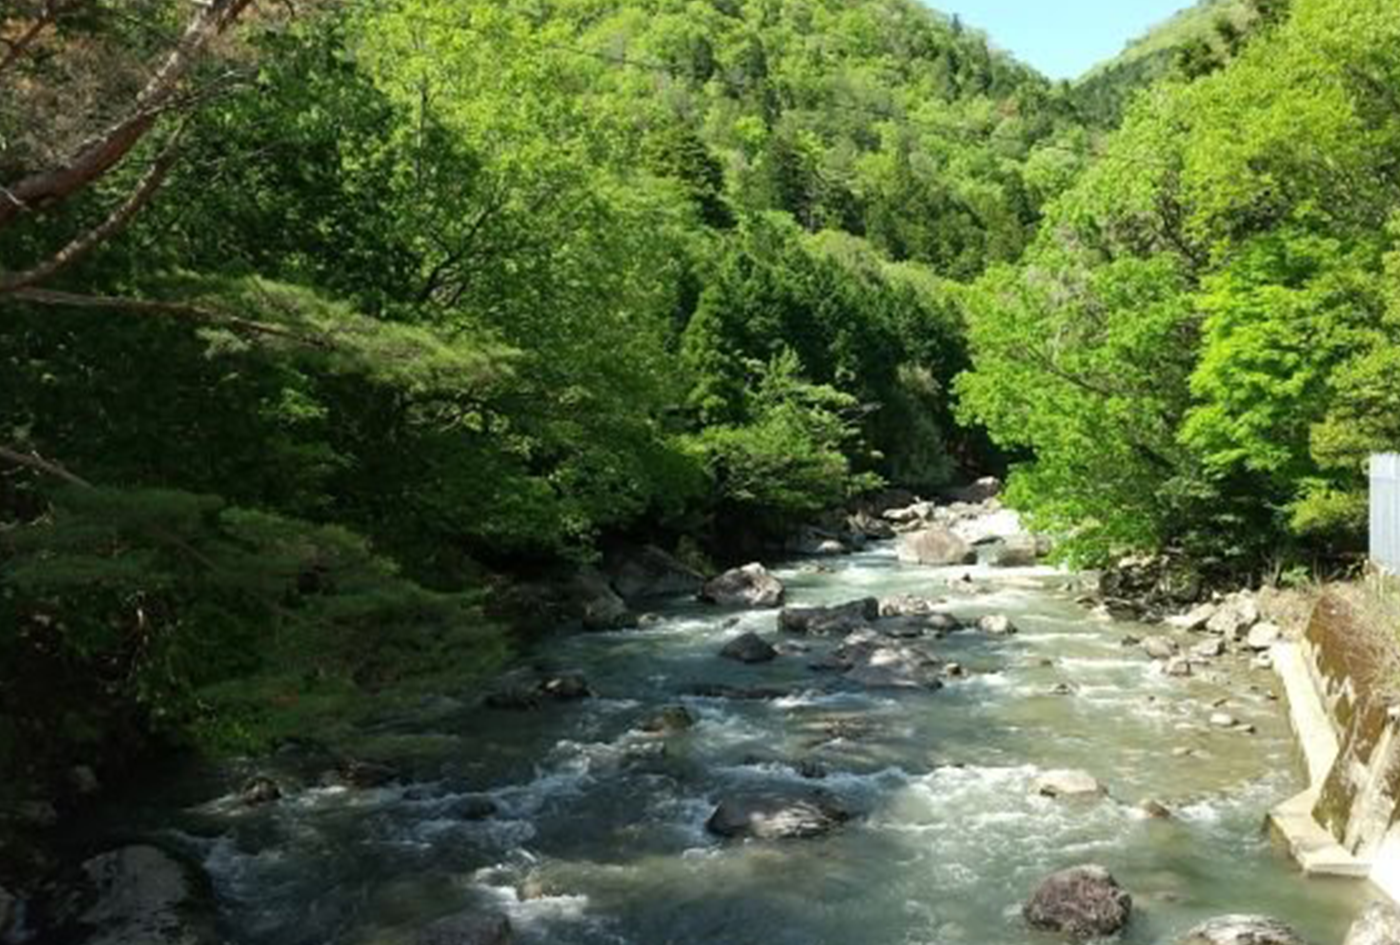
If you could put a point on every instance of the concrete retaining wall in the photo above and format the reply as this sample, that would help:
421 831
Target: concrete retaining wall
1347 823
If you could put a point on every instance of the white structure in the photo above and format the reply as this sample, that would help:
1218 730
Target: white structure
1385 511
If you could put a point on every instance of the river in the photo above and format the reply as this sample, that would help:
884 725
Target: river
599 836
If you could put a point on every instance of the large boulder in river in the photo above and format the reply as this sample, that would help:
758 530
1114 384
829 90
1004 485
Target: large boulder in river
602 607
1083 902
648 572
1378 925
771 817
1242 930
469 928
1068 784
936 547
895 666
138 895
1016 551
749 586
749 648
830 621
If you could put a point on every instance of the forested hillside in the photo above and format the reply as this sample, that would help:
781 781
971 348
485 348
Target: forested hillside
314 321
1203 344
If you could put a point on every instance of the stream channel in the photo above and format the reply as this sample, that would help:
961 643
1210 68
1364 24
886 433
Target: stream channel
599 831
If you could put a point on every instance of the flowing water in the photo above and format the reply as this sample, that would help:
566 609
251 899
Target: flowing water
600 833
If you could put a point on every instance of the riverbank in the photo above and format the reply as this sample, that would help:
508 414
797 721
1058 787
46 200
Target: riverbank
587 814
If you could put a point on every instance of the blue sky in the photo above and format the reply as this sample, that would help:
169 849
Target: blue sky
1061 38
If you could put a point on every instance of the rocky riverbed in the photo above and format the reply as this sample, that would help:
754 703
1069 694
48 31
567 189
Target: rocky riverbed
851 749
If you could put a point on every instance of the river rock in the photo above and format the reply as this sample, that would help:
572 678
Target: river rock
997 625
979 525
670 720
749 648
1378 925
738 693
1262 636
936 547
521 691
1160 648
365 774
1194 620
983 490
1178 666
1242 930
1233 619
830 621
919 625
602 607
469 928
816 543
1209 649
1223 720
647 573
1068 784
766 817
896 666
916 512
140 895
1155 810
749 586
908 605
1082 902
258 791
1016 551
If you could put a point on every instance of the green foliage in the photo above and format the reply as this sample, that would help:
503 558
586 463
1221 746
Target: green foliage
786 455
1198 350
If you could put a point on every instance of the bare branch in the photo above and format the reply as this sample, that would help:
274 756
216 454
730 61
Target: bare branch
100 154
39 464
118 219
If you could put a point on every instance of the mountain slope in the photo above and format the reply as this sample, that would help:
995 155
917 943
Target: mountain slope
1104 91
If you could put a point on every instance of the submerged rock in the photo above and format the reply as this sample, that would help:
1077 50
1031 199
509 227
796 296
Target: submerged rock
830 621
1155 809
1082 902
749 586
936 547
741 693
1378 925
749 648
668 721
1068 784
139 895
470 928
776 818
1242 930
258 791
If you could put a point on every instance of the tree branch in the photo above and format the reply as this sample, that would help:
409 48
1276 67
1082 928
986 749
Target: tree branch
114 223
179 310
39 464
100 154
